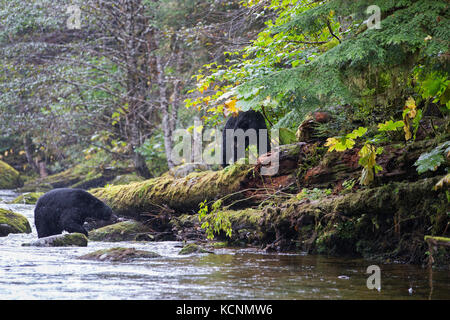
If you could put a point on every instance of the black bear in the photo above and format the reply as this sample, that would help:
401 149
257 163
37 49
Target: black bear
244 120
66 209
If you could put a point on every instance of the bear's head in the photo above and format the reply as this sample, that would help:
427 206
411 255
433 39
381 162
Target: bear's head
101 211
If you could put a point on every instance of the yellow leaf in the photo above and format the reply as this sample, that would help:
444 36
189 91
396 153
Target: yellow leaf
444 182
411 105
406 128
207 99
203 87
230 107
331 142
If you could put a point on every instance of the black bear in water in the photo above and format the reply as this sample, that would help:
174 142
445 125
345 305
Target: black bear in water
66 209
244 120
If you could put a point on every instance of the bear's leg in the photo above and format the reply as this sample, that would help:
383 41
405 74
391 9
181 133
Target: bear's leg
72 226
43 232
43 226
71 222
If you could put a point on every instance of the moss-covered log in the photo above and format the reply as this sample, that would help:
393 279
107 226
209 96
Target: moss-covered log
386 223
183 195
300 165
166 192
77 177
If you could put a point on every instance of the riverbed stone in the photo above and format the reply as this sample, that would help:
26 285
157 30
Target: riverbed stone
129 230
60 240
193 248
27 198
11 222
118 254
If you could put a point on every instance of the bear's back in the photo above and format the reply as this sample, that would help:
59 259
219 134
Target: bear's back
64 197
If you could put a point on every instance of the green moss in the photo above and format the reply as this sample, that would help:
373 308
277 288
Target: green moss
126 179
80 176
11 222
248 217
9 177
219 244
71 239
179 194
441 239
27 198
118 254
192 248
385 222
122 231
60 240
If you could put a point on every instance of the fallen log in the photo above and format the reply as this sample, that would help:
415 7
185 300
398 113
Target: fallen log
301 165
167 193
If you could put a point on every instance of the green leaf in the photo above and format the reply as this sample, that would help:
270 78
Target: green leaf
390 125
287 136
357 133
432 160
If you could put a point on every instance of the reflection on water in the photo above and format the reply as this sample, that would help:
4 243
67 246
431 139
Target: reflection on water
55 273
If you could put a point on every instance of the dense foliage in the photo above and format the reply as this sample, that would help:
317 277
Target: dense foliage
109 93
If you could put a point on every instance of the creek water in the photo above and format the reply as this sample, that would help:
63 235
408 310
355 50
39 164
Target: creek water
56 273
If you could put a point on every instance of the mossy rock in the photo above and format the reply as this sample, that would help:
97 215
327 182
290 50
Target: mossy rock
192 248
9 177
122 231
27 198
11 222
60 240
118 254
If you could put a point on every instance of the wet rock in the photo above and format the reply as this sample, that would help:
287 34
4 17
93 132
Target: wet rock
92 224
60 240
27 198
193 248
11 222
9 177
119 255
123 231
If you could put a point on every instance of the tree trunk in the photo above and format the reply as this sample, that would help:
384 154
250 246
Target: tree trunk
28 146
141 166
166 120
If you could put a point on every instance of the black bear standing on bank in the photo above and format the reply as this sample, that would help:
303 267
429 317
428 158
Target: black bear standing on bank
66 209
244 120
